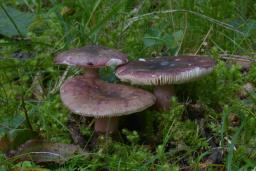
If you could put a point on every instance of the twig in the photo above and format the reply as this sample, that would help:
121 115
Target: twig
237 57
205 37
59 83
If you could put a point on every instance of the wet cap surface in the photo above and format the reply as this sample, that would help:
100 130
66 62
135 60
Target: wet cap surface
165 70
90 97
91 56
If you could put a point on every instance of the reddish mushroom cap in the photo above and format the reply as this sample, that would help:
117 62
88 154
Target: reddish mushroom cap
91 56
90 97
165 70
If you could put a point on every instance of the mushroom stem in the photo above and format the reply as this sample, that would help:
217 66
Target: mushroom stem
92 72
107 125
163 95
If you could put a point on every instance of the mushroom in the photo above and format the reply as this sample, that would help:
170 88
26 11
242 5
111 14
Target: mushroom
163 72
91 57
104 101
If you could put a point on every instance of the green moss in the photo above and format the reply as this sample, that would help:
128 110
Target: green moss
164 140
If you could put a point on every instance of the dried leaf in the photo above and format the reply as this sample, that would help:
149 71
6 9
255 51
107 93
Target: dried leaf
14 138
40 151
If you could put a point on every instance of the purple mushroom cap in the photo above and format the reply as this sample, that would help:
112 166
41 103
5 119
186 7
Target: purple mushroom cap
91 56
96 98
165 70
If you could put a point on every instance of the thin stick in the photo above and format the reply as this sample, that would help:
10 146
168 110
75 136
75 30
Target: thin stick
237 57
205 37
61 80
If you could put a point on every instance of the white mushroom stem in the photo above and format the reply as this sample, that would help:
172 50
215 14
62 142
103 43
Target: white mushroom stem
107 125
163 96
92 72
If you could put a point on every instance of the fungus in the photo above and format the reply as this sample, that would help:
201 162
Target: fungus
163 72
104 101
92 57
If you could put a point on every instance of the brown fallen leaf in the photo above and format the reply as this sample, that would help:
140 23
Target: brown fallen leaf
14 138
41 151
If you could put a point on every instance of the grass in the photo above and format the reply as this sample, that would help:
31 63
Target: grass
163 140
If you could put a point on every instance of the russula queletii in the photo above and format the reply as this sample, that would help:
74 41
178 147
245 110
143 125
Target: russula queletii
164 72
103 101
91 58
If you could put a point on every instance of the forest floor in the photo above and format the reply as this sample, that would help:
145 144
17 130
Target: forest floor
211 123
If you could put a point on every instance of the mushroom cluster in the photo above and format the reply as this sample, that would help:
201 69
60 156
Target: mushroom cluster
87 95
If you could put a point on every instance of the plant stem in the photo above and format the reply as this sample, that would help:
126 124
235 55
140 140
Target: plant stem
106 125
163 95
26 113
